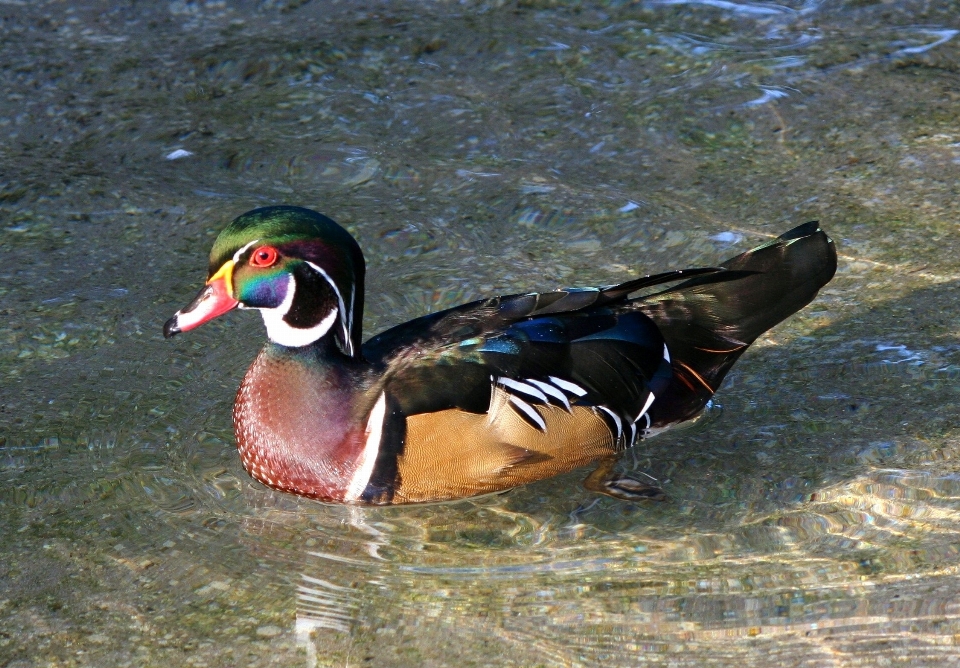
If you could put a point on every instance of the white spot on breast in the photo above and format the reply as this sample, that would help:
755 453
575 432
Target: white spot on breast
371 448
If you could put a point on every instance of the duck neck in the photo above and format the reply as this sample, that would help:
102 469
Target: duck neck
324 353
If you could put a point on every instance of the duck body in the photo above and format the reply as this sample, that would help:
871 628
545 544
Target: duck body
485 396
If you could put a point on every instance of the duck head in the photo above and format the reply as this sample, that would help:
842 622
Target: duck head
301 270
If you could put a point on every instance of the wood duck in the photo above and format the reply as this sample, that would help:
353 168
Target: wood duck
488 395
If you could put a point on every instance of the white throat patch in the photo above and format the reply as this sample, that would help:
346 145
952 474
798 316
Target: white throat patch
371 448
279 330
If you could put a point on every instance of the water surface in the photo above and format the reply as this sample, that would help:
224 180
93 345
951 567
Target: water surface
813 516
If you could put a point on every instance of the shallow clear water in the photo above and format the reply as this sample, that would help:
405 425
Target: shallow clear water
813 516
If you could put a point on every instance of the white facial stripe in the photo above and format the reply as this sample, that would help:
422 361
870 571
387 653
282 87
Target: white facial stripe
666 353
572 388
616 419
523 387
346 318
371 448
552 391
353 294
280 331
529 411
236 256
646 406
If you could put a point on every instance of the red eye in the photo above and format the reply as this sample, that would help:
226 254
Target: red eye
265 256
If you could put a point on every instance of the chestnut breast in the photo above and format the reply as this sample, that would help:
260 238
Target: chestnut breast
296 426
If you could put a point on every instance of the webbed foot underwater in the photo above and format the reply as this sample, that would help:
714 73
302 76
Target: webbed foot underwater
485 396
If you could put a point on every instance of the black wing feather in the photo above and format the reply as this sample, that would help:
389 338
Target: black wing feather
605 343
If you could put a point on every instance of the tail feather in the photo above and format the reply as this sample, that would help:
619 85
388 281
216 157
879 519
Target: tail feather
710 320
